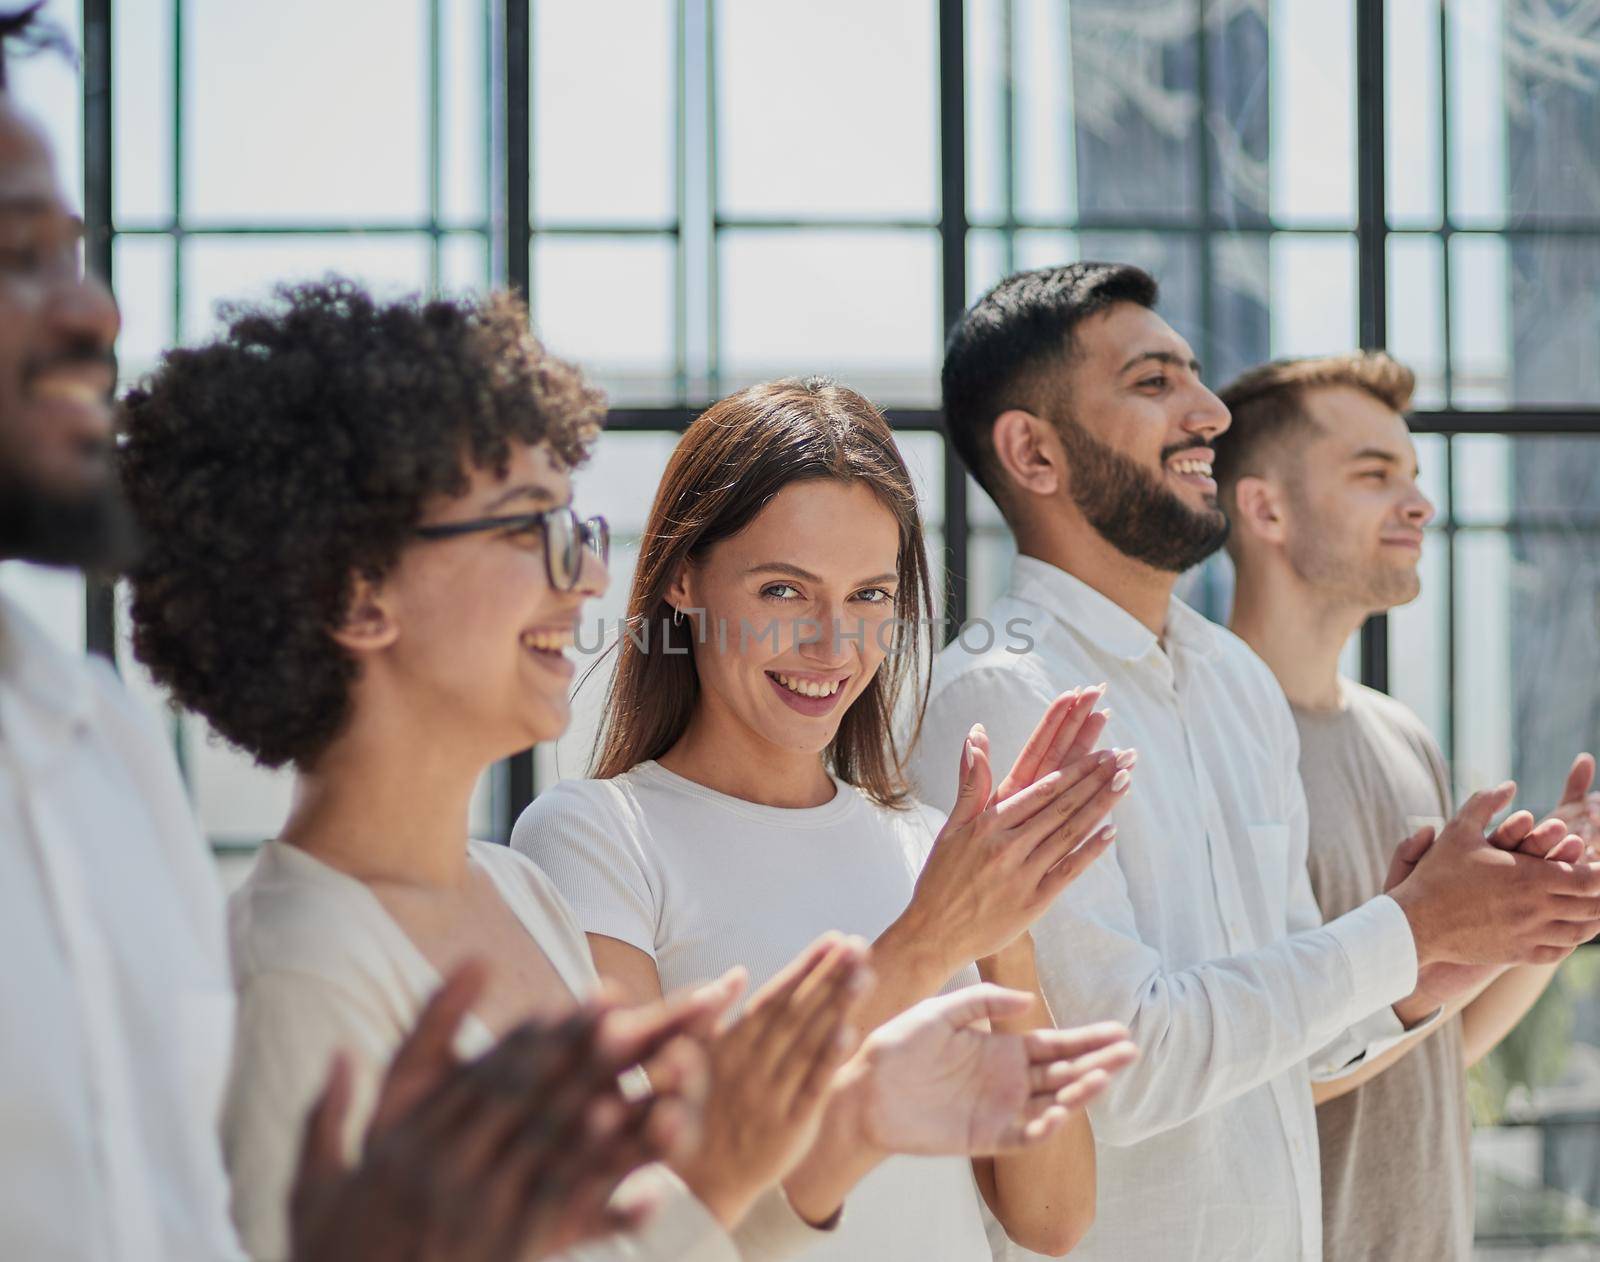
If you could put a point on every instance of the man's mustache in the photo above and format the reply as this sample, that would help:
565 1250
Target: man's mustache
1198 444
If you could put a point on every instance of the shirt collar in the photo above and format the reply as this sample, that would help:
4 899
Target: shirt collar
1100 620
46 694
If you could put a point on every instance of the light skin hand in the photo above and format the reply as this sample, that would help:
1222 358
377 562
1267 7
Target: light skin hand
1579 808
999 862
934 1081
1470 902
770 1075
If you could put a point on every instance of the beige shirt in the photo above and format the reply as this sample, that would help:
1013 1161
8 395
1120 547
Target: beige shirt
118 1011
1396 1152
320 965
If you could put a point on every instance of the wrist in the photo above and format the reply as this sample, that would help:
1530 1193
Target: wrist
1415 1008
844 1151
1414 909
727 1194
914 947
1015 958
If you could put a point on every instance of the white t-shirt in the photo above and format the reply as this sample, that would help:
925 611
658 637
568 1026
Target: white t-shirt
321 965
701 881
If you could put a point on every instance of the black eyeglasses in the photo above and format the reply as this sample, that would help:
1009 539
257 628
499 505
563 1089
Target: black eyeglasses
565 537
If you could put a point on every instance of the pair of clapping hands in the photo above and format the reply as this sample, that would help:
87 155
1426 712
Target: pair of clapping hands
517 1154
1525 914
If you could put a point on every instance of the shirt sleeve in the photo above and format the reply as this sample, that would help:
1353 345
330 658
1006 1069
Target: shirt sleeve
1376 1032
590 843
289 1027
1215 1030
1209 1032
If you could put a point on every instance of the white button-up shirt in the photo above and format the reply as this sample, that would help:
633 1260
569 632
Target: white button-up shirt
1198 929
118 1007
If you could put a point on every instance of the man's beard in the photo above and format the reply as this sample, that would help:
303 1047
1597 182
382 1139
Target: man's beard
1132 509
91 529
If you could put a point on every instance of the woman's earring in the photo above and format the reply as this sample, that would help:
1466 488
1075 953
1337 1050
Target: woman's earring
677 617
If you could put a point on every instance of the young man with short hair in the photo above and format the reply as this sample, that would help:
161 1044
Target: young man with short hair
1318 477
1084 414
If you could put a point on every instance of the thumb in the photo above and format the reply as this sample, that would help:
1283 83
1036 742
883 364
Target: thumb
963 1007
1579 779
322 1141
1407 854
972 795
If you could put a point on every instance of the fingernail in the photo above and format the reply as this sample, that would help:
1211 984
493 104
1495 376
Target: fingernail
1105 714
1127 757
979 727
966 754
1110 834
1119 782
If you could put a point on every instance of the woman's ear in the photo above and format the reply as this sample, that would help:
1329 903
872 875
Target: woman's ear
368 624
1260 509
1028 452
678 593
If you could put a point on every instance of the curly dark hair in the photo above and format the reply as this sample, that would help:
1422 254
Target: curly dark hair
297 450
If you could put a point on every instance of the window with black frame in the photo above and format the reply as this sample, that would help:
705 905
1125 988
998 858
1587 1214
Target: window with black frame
744 189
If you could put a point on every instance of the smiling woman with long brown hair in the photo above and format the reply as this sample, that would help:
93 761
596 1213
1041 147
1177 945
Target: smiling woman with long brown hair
748 794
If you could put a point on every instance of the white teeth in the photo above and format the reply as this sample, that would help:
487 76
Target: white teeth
1192 466
808 687
548 641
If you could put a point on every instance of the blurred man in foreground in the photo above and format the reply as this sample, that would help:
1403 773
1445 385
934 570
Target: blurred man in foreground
118 1007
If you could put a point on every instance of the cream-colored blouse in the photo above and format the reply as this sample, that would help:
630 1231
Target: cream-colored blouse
320 965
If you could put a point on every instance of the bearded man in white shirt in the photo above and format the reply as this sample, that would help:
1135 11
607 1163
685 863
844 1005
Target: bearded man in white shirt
1083 414
1318 476
117 1004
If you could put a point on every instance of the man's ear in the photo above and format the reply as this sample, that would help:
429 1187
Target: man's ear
1260 510
1028 451
368 624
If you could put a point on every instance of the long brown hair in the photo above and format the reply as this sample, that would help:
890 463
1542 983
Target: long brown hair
730 464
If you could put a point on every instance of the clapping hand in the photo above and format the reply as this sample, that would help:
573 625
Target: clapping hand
513 1155
935 1080
1002 857
771 1071
1579 808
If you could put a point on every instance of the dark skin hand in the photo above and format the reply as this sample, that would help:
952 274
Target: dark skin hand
514 1155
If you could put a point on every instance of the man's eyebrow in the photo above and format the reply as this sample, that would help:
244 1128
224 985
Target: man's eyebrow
1376 453
541 496
794 571
1162 357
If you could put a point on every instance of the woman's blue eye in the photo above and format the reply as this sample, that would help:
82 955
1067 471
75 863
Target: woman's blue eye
772 590
874 596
